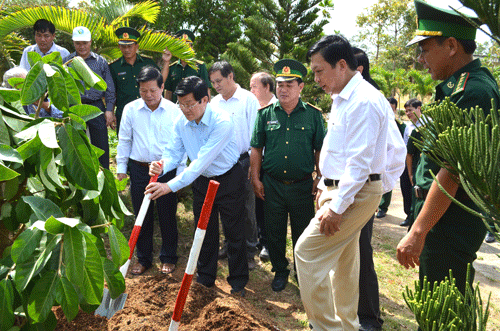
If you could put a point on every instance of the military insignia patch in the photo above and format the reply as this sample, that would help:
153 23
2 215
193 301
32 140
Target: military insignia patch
125 35
286 70
461 83
450 85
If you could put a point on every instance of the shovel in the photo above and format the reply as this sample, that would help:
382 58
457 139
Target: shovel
108 305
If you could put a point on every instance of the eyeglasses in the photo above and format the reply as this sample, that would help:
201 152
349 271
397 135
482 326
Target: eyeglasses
187 107
216 81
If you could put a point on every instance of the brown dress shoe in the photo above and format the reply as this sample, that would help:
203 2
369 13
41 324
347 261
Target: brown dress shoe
167 268
138 269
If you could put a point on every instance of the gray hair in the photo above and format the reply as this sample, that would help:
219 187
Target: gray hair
11 73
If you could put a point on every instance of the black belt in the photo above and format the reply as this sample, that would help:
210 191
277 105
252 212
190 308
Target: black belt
144 164
332 182
420 193
244 156
290 182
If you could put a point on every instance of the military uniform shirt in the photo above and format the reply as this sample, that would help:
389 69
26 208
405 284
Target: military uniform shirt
124 76
177 72
289 140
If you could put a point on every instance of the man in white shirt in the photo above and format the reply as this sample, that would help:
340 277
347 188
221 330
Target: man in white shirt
45 33
262 86
242 106
147 126
353 160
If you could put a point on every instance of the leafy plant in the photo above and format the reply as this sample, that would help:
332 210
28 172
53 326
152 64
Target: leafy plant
467 143
443 307
56 202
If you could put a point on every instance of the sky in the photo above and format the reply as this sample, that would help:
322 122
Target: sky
345 12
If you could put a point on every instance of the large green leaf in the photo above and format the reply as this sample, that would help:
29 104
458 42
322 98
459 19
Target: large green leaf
93 274
9 95
75 251
26 244
47 134
56 86
4 132
43 208
9 154
30 147
6 304
57 225
67 297
52 57
7 174
35 85
33 57
77 158
119 246
89 77
45 254
114 278
71 85
43 296
16 83
86 112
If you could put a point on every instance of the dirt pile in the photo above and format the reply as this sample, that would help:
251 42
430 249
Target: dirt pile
150 304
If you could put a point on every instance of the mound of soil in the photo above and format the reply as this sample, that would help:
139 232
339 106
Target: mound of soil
150 304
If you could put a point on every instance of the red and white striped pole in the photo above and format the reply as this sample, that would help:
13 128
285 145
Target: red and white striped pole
137 227
193 255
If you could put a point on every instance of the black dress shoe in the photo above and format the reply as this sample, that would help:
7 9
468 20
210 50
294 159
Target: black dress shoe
368 327
279 283
380 214
239 292
406 222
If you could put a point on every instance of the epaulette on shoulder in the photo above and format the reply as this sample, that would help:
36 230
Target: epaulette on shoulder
146 56
460 86
110 63
199 62
262 108
173 64
315 107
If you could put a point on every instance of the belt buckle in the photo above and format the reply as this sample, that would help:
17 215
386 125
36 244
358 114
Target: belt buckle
287 182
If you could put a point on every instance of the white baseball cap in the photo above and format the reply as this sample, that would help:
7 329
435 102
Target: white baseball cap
81 33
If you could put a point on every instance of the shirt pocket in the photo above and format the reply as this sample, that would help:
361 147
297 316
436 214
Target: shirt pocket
335 139
302 133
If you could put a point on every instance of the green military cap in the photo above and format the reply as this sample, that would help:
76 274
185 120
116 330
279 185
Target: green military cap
127 36
186 35
436 22
288 69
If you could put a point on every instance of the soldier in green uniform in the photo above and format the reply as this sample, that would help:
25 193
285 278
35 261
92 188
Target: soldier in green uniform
292 133
179 69
125 69
443 236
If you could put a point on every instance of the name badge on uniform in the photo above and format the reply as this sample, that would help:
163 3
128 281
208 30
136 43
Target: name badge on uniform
273 122
122 73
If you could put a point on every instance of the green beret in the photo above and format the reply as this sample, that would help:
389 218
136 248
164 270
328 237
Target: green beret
127 36
185 35
288 69
436 22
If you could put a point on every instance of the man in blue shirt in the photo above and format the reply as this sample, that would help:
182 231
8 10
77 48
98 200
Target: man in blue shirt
205 133
45 32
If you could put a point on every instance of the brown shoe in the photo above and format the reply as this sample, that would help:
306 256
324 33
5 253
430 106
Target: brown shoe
167 268
138 269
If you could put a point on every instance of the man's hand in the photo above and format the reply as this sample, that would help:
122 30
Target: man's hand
157 190
155 168
258 189
318 194
166 56
110 119
330 222
315 185
410 248
121 177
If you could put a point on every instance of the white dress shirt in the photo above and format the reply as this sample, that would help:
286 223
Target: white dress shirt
24 63
210 145
242 106
356 144
144 133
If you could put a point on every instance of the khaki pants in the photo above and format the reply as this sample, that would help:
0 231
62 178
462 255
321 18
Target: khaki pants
328 267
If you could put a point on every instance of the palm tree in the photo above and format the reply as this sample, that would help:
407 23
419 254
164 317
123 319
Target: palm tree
423 84
102 21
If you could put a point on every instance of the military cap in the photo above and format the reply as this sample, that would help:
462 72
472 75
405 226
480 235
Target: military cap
127 36
436 22
288 69
185 35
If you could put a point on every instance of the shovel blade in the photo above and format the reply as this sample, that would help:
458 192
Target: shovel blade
110 306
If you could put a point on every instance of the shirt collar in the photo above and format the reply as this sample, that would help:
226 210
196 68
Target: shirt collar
52 49
300 106
138 58
162 105
205 120
448 85
350 87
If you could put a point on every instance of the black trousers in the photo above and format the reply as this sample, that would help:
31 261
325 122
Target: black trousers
259 217
406 188
368 305
229 205
99 132
166 207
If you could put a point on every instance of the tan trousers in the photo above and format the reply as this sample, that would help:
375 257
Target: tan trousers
328 267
